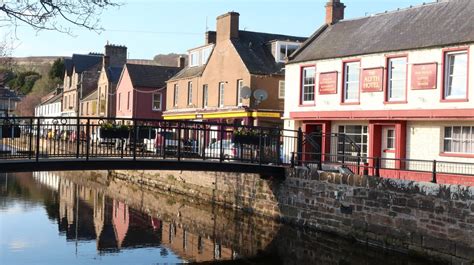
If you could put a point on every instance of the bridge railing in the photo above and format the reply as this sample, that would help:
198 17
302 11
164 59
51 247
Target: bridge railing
37 138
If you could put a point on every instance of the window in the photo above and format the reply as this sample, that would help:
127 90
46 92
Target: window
128 100
390 139
156 105
240 84
307 89
190 93
455 75
351 82
284 50
221 94
358 134
205 97
120 101
459 139
205 55
281 89
175 99
87 108
194 59
66 101
397 79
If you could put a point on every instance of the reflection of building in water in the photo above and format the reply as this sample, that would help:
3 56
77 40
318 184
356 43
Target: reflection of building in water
192 246
50 179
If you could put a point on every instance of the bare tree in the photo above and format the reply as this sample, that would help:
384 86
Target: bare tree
58 15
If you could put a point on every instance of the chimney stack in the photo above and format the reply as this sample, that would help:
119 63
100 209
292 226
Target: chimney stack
227 26
210 37
334 11
181 62
117 55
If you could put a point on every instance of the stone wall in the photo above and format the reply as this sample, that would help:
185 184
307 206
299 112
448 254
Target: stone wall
422 218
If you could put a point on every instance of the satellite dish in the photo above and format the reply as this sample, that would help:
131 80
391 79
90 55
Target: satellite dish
260 95
245 92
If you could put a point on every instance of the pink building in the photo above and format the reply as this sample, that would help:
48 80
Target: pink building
141 91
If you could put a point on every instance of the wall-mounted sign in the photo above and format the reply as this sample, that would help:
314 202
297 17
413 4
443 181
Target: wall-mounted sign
372 80
423 76
328 83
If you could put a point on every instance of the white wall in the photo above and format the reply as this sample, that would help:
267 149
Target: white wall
417 99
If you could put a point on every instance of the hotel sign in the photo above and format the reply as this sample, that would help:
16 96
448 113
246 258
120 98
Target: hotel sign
328 83
372 80
423 76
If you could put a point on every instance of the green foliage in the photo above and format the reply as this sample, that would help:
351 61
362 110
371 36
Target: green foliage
24 81
57 70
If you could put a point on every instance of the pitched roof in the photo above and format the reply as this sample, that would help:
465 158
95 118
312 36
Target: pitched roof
83 62
189 72
92 96
446 22
150 75
56 98
255 50
69 65
113 73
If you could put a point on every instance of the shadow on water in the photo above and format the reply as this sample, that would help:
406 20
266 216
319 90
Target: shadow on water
117 217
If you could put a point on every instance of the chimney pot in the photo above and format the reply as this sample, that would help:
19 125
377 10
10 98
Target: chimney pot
334 11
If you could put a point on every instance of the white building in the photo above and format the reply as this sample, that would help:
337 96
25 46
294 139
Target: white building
398 83
51 107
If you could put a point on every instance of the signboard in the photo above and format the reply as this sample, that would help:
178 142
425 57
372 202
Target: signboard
328 83
372 80
423 76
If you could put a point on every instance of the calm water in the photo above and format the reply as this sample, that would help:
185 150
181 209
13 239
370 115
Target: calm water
57 218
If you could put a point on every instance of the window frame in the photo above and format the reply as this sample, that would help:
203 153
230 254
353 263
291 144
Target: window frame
388 75
302 102
392 138
119 101
280 82
444 74
175 95
278 46
190 93
153 102
240 84
205 95
362 143
221 94
344 82
193 54
461 153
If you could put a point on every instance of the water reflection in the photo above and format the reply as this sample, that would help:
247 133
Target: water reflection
106 221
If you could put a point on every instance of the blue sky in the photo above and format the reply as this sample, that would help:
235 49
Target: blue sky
150 27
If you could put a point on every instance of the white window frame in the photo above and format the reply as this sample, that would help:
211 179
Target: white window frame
281 89
190 93
205 95
153 101
347 82
128 100
310 87
194 58
240 84
205 54
390 139
402 80
362 143
448 75
278 47
463 143
221 94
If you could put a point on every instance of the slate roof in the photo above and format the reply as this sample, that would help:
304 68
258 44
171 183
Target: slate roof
152 76
69 65
92 96
446 22
255 50
83 62
56 98
113 73
189 72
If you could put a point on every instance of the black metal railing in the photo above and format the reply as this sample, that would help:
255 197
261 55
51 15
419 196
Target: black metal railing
37 138
382 166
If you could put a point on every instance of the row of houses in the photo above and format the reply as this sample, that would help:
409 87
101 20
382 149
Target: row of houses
398 83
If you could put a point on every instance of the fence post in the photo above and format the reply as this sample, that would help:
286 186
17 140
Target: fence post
88 136
221 146
30 139
358 162
179 141
135 133
434 172
78 136
292 159
38 123
260 147
299 146
163 140
377 167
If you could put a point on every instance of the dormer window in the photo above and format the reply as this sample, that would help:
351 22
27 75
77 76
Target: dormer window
199 56
283 49
194 58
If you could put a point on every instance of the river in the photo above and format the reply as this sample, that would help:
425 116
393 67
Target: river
52 218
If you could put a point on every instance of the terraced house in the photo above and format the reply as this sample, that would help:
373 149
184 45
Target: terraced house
237 77
398 83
